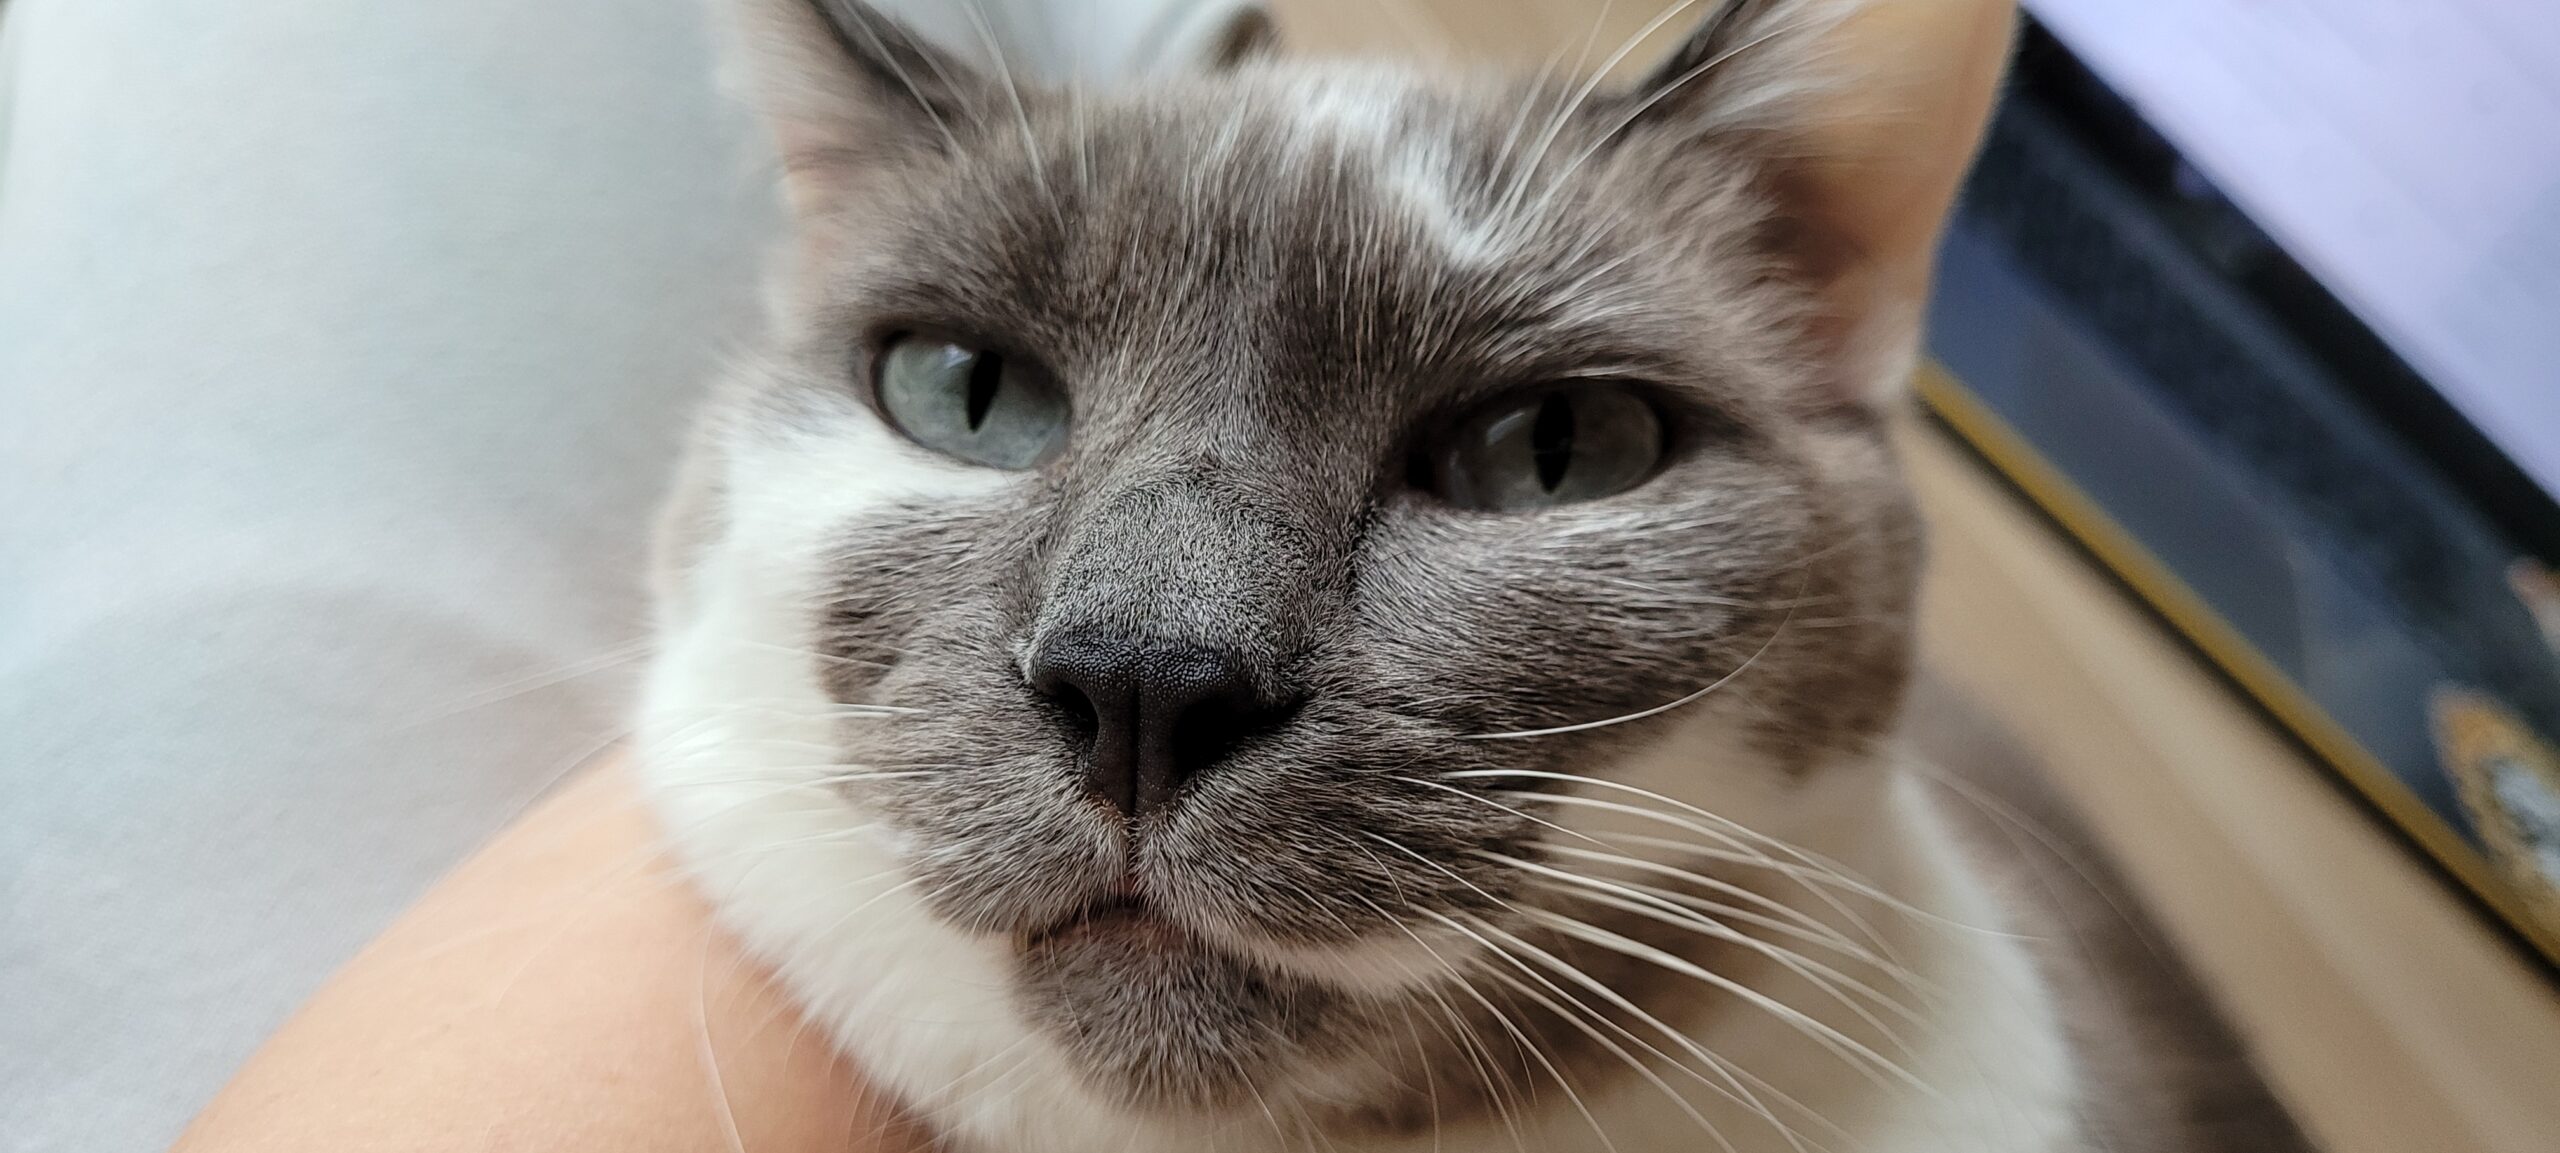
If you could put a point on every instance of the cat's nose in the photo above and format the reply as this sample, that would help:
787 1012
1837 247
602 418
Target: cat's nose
1158 712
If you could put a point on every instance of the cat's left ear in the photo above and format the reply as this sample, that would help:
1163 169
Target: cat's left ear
1246 35
1866 115
846 89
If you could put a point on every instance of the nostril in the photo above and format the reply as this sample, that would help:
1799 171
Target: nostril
1201 705
1215 726
1151 713
1076 707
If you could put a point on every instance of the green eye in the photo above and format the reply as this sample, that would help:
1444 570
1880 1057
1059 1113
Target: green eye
978 405
1549 447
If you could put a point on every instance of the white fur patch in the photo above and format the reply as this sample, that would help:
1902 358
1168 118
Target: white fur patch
1421 181
1356 110
735 737
1360 112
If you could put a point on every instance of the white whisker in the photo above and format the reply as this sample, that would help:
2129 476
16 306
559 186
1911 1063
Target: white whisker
1829 981
1021 113
1568 1014
1505 1096
1556 185
1768 913
1642 714
1632 900
1857 1054
1582 96
710 1055
1480 798
857 17
606 661
1535 1053
1733 1088
1744 1096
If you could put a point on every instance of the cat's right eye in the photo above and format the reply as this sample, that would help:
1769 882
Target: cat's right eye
1558 445
976 404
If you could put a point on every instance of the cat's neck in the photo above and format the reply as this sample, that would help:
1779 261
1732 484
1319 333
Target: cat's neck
1983 1063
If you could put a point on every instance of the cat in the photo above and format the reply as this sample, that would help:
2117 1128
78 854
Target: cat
1322 605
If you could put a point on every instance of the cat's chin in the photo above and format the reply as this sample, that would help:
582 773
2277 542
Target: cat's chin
1159 1018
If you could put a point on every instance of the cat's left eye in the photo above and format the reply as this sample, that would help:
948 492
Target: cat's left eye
973 403
1547 447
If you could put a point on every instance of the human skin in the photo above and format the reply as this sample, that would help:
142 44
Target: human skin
561 991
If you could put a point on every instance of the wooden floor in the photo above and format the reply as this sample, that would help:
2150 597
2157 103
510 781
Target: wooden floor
2387 1014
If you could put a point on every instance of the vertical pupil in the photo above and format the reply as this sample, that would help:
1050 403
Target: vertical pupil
986 374
1551 440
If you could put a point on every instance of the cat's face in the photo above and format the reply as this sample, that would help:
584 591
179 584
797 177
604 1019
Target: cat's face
1209 523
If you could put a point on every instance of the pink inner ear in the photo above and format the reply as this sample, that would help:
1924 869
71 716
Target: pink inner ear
1887 151
842 88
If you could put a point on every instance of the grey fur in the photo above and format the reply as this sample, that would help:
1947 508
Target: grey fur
1257 316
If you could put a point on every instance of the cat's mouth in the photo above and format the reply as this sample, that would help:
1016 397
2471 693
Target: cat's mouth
1122 919
1127 924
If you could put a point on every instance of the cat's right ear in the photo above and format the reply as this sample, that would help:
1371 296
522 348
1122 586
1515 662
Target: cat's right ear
844 89
1863 116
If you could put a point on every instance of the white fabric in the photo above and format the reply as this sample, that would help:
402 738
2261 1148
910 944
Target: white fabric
344 350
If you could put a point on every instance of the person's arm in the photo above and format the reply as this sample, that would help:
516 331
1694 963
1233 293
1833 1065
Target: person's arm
561 991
